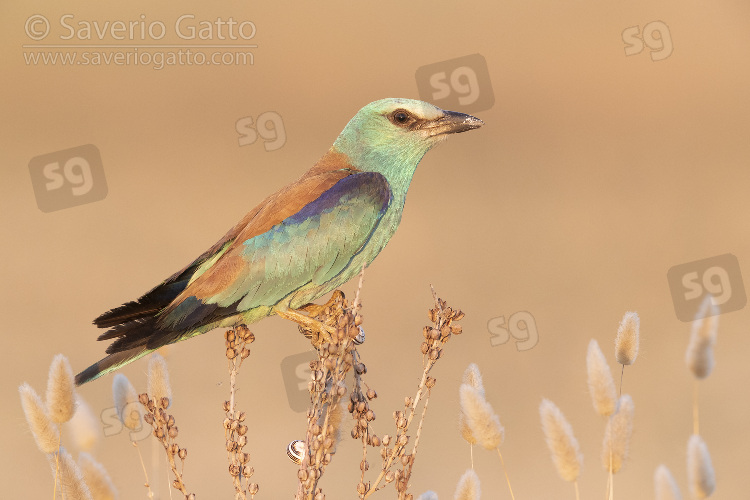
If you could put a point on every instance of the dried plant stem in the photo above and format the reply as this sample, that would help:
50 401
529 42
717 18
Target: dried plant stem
471 454
143 465
57 463
575 484
695 407
236 341
622 374
505 471
166 432
398 449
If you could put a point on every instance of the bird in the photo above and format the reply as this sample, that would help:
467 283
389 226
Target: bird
298 244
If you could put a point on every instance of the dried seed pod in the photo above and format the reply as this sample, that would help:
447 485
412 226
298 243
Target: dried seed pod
458 315
375 441
390 476
242 430
229 335
230 353
253 488
371 394
364 466
408 400
361 488
143 398
245 458
148 418
226 406
247 471
244 353
456 329
183 453
386 440
424 347
430 382
403 439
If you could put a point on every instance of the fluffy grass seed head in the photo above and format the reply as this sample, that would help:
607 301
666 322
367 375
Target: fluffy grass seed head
664 485
126 402
617 435
83 426
45 431
468 486
69 474
428 495
701 478
700 352
473 377
626 343
61 399
158 379
482 420
465 430
561 442
95 475
601 384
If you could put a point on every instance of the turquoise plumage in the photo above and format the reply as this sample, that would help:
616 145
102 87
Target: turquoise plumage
298 244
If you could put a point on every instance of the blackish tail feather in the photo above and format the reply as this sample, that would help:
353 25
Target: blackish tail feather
111 363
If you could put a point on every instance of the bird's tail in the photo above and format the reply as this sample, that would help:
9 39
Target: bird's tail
111 363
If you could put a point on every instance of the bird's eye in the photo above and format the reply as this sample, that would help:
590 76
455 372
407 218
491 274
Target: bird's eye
401 117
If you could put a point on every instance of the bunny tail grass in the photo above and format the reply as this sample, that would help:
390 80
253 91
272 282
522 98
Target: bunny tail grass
111 363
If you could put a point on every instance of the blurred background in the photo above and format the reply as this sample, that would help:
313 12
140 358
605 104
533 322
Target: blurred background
615 148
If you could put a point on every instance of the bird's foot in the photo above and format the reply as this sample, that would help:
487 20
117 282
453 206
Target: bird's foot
311 328
319 324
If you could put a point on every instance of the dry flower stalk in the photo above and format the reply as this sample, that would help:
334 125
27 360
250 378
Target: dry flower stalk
444 325
561 442
468 486
61 399
46 432
235 429
626 343
164 425
95 475
72 484
83 427
664 485
327 387
601 384
701 477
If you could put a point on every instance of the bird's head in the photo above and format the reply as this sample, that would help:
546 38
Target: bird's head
391 136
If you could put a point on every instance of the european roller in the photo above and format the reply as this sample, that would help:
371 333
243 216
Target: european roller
298 244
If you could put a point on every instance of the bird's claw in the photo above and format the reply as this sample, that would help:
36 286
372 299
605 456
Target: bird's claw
309 326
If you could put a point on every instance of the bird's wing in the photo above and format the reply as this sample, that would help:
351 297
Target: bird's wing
269 212
311 246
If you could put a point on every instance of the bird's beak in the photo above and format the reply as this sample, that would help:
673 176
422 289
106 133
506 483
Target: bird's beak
453 123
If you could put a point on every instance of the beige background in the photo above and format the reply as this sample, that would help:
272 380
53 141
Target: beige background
595 173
